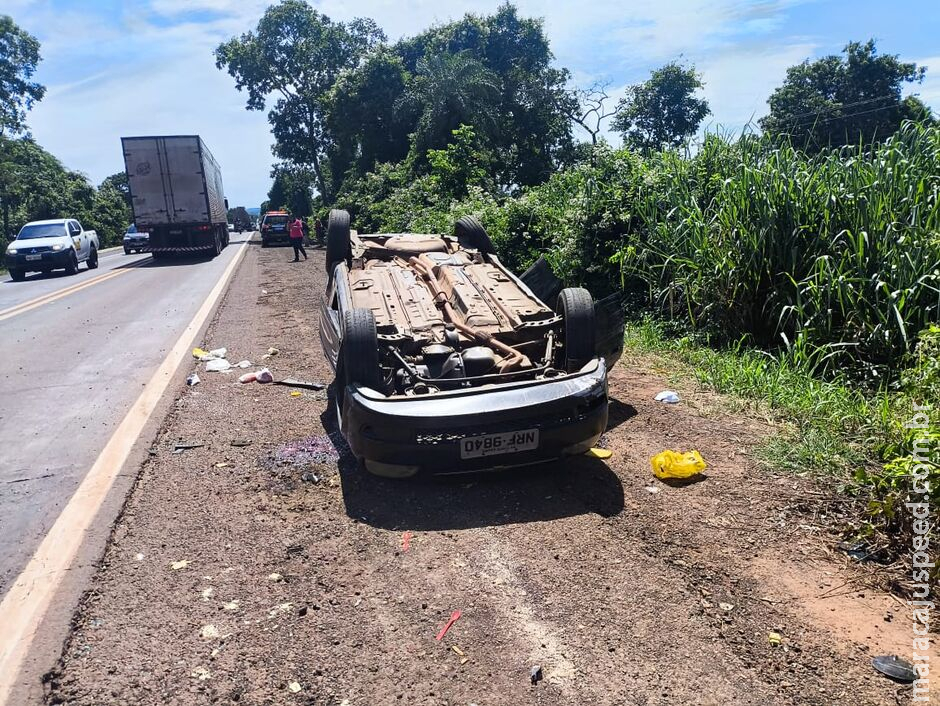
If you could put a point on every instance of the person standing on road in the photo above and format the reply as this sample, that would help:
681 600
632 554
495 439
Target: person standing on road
318 231
297 239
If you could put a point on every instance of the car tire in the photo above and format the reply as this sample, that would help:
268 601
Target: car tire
471 234
338 246
71 266
576 307
361 349
17 275
93 259
127 251
264 243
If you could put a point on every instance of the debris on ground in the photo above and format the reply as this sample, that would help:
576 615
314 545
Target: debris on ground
263 375
204 355
675 464
276 577
309 477
272 351
199 353
535 674
861 551
600 453
454 617
209 632
317 449
296 393
294 687
248 377
895 668
293 382
242 364
201 673
774 638
668 396
182 446
177 565
405 541
218 365
192 380
241 442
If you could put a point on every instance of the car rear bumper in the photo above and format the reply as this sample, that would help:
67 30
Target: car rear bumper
570 413
141 245
275 237
47 261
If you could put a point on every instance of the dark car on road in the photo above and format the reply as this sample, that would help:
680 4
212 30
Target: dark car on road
275 228
135 240
446 362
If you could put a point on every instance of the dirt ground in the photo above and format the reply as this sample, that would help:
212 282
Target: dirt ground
309 582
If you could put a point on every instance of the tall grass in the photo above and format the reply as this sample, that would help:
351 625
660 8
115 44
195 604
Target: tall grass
835 256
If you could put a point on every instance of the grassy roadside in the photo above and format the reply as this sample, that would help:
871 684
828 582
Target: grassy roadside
854 440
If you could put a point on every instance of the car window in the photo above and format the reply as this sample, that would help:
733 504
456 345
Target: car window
40 230
131 228
276 220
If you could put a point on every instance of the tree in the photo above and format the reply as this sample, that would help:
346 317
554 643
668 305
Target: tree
118 182
663 111
297 54
592 110
838 100
19 56
291 190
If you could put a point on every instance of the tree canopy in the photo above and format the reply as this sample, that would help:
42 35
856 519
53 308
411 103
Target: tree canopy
849 99
663 111
19 56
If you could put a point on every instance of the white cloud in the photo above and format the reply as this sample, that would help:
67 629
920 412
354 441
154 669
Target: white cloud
929 90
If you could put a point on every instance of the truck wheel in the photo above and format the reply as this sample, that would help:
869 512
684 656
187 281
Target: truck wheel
576 307
471 234
361 349
71 266
337 239
17 275
216 245
93 259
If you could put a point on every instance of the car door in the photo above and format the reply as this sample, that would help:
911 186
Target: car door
79 240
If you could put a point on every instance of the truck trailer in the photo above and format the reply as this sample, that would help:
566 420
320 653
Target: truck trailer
176 194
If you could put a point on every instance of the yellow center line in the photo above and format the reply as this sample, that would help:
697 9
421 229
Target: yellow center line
26 602
59 294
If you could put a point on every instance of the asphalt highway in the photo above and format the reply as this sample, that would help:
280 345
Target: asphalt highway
75 352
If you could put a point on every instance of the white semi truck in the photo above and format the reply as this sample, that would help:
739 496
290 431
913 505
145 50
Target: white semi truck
176 194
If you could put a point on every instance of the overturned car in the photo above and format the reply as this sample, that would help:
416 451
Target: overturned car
446 362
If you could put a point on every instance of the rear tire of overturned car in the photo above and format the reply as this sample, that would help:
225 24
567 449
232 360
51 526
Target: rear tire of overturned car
361 349
338 246
471 234
576 307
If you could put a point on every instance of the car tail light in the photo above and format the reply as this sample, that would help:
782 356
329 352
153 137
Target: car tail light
203 227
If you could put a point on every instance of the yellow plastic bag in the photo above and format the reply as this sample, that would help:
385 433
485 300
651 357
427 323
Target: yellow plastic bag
199 353
673 464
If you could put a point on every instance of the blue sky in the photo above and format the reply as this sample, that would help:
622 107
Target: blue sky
146 67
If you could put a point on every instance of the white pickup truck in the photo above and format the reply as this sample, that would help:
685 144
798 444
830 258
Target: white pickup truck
43 246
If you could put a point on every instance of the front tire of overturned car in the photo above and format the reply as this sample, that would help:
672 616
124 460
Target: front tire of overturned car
576 307
471 234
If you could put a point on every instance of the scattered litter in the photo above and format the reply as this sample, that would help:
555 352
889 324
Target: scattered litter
242 364
204 355
863 552
535 674
139 556
264 375
726 606
895 668
224 464
218 365
317 449
276 577
668 396
182 446
177 565
774 638
309 477
652 489
278 609
209 632
241 442
201 673
294 382
207 593
464 660
248 377
457 650
600 453
294 687
673 464
199 353
405 541
296 393
192 380
273 351
231 605
453 619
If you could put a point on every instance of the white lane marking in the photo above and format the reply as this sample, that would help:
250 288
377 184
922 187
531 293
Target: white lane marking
27 601
59 293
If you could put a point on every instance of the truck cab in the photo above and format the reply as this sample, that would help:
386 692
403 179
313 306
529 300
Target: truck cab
43 246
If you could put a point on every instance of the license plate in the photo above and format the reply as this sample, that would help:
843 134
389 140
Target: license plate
34 257
507 442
